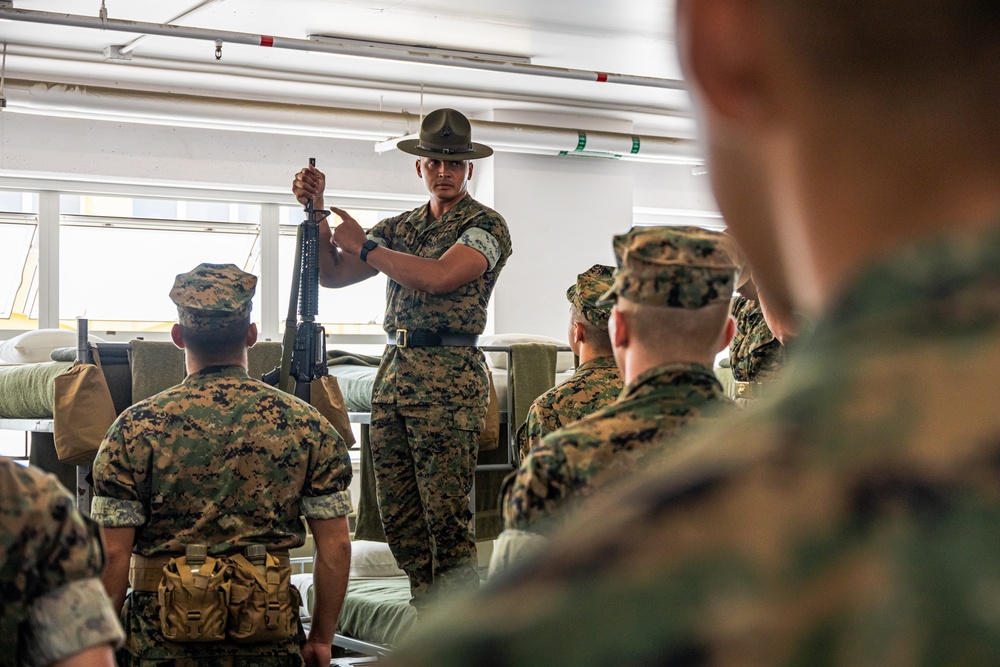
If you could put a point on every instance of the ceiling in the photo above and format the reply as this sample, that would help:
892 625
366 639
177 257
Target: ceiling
633 38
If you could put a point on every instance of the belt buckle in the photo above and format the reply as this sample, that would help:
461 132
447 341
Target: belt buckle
401 339
743 390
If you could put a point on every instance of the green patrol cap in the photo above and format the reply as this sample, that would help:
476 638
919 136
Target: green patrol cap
212 296
677 267
585 295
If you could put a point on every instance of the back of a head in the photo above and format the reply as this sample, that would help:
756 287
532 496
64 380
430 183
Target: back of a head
213 310
674 285
905 52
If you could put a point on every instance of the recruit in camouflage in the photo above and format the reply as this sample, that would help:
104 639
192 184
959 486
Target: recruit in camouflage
53 603
593 385
429 403
573 463
585 294
855 524
221 460
755 355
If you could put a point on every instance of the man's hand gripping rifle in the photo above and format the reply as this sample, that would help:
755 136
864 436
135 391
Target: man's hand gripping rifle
303 356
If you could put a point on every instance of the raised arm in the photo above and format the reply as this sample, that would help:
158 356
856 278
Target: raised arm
459 265
336 269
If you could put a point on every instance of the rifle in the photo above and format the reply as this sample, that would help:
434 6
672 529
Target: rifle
303 348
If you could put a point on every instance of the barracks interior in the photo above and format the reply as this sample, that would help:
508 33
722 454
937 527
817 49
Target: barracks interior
564 333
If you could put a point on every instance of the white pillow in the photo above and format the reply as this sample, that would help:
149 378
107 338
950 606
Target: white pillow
564 360
36 346
372 559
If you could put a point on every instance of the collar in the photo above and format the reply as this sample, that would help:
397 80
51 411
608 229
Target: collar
666 376
233 371
595 363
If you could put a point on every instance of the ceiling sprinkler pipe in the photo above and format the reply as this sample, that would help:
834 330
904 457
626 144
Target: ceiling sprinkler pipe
230 37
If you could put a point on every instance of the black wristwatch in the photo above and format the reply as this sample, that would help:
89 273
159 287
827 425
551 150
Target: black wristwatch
367 247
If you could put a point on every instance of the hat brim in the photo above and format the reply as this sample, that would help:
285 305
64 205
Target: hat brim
412 146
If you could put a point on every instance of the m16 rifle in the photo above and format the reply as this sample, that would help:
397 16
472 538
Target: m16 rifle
303 356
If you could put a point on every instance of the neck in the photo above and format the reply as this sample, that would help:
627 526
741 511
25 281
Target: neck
587 353
194 363
439 207
637 360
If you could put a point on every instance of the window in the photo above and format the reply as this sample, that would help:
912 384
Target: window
122 266
18 260
357 309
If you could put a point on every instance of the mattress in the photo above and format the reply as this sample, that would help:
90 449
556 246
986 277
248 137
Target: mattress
356 384
26 390
375 610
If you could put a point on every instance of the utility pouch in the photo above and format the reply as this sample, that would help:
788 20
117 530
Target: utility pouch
263 606
194 597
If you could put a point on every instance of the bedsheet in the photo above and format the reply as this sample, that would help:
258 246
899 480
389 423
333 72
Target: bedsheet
375 610
26 390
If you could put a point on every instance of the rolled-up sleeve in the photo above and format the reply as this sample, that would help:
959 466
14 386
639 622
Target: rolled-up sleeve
120 477
71 618
481 240
327 491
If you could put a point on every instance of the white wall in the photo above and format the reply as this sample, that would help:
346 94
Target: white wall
562 211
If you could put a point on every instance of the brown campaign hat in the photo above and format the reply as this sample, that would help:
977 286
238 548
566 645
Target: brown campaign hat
447 135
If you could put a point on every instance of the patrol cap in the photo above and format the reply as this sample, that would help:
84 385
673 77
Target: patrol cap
678 267
586 294
212 296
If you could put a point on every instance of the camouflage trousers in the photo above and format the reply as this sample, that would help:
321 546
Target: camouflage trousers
145 645
425 461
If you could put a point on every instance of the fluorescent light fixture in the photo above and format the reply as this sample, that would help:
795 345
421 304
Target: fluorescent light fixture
372 46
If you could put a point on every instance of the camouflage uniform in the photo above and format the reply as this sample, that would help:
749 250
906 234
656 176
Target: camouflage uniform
673 267
755 355
429 403
221 460
856 524
572 463
594 384
53 603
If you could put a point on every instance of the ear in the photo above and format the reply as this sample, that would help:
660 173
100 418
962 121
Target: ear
252 334
577 332
618 329
727 334
470 169
175 335
722 48
420 172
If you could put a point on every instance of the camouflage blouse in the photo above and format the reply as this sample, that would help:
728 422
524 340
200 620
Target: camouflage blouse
222 460
571 463
53 602
852 519
754 353
594 384
440 375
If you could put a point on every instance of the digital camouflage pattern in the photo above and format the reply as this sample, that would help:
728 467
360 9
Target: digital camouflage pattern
755 355
439 375
855 524
433 526
221 460
677 267
52 603
428 452
593 385
212 296
572 463
586 293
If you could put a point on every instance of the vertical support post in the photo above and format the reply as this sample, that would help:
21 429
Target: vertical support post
270 319
48 260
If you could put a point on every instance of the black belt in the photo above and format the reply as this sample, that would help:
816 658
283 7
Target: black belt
405 338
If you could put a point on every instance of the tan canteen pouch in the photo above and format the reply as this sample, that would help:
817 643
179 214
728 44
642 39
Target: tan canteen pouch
194 597
263 606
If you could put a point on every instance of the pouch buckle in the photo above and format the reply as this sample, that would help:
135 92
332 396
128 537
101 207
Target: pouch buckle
401 338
